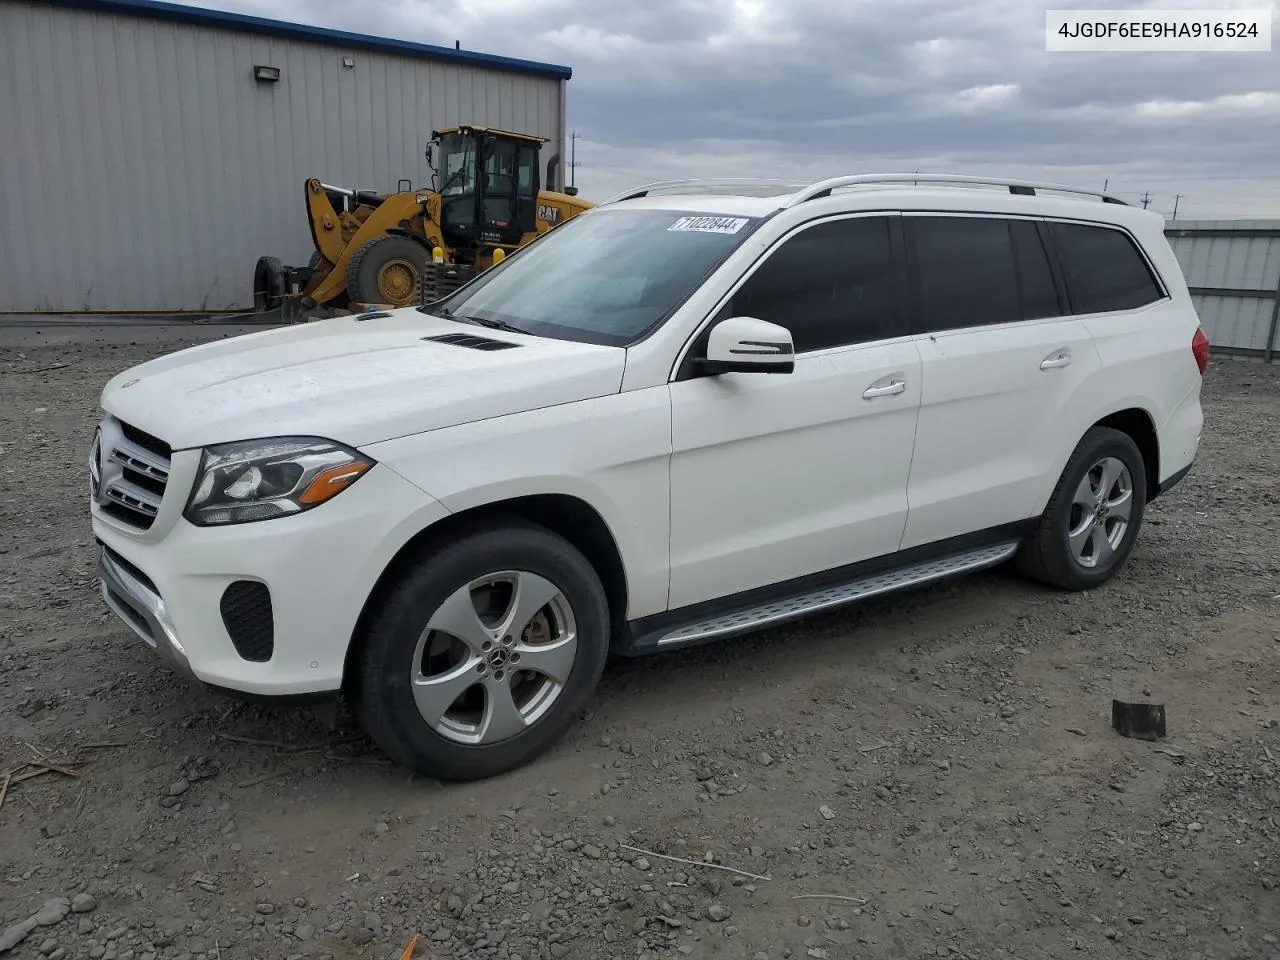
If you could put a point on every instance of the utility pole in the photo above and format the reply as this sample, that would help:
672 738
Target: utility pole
1176 198
1146 199
573 158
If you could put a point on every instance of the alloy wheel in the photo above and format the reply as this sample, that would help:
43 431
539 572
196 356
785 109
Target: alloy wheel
1100 512
494 657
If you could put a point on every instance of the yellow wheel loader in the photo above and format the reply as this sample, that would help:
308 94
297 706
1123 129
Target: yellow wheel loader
485 199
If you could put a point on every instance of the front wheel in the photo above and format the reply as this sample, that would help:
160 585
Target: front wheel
1091 523
483 653
387 270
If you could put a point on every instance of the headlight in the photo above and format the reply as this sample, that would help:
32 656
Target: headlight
262 479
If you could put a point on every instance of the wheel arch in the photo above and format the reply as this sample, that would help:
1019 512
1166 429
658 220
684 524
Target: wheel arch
1139 425
1132 418
419 239
566 515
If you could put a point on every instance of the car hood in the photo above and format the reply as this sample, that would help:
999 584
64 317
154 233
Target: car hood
357 381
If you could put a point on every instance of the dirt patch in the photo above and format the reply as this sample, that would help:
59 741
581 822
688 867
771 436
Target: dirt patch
930 775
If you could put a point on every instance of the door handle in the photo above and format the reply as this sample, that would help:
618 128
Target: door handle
898 386
1055 361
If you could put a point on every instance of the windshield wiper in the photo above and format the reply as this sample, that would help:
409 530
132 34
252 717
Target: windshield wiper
489 322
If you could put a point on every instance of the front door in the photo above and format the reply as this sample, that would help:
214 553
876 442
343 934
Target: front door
777 476
509 199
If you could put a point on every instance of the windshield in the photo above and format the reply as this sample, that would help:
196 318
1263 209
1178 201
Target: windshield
607 276
457 164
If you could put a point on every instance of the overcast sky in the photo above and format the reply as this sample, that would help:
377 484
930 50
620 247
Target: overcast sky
809 88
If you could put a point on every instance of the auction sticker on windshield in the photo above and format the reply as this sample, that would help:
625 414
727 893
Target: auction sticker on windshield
709 224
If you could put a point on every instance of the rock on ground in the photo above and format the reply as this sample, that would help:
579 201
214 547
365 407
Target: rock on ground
956 828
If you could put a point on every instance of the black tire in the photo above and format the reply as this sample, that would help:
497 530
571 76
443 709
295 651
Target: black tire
369 261
268 284
383 697
1047 556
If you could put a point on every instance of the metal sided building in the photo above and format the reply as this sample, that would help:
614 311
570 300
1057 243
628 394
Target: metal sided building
1233 270
152 151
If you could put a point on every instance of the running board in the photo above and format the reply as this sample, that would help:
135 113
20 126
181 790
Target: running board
779 611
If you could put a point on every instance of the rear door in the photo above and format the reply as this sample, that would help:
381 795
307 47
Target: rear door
1002 361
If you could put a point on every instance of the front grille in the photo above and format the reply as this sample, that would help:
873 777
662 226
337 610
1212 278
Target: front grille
246 613
130 472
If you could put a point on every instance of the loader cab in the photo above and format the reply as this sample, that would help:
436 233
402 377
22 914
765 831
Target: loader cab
488 185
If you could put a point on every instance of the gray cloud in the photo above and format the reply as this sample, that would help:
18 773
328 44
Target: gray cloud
673 88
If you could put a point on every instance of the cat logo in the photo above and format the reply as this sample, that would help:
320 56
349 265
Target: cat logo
549 213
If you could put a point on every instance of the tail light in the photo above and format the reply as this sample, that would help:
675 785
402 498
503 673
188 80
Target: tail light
1200 349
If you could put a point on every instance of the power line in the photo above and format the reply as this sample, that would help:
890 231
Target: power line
573 158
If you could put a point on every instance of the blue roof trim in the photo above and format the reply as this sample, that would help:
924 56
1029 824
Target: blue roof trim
201 16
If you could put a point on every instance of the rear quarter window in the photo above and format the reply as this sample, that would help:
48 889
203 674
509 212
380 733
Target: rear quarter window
1104 269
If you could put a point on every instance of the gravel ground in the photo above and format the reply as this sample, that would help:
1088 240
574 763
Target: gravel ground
930 775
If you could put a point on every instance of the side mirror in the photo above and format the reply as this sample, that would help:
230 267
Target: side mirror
430 154
748 345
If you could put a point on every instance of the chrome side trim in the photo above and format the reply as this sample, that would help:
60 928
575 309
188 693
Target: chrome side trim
778 611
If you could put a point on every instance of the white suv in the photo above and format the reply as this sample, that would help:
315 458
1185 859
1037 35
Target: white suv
690 412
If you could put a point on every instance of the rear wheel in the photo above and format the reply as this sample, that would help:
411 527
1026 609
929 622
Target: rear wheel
1089 528
483 653
386 270
268 284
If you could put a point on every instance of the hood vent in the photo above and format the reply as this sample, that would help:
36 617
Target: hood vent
472 342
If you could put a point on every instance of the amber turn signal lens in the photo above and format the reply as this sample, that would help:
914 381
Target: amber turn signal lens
331 482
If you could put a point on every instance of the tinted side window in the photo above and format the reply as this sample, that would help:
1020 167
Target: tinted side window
830 284
966 274
1104 269
1035 278
525 171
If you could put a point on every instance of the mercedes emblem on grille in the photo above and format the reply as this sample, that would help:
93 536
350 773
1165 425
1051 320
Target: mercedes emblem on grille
104 470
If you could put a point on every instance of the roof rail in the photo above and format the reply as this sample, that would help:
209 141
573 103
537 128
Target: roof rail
739 186
823 188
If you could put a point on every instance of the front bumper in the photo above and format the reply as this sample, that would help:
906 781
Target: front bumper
132 597
310 575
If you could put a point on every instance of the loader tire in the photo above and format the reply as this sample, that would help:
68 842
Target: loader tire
387 270
268 284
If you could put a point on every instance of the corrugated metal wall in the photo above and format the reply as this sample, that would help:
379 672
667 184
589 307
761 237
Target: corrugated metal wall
143 168
1233 270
